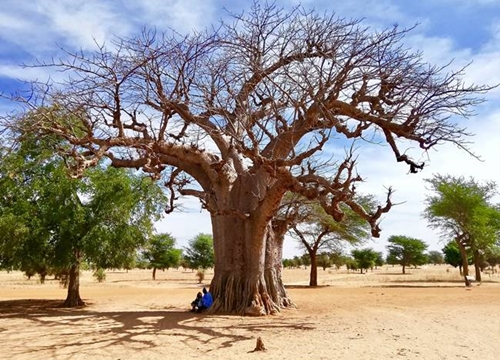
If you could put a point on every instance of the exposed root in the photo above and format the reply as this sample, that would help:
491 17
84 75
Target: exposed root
253 297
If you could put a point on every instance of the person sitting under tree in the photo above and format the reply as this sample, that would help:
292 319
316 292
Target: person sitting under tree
206 300
196 303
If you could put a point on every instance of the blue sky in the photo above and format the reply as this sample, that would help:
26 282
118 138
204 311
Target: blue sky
460 30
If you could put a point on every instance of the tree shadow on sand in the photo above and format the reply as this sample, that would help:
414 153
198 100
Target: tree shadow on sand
128 329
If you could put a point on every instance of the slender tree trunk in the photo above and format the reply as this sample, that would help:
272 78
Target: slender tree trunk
313 278
73 299
404 269
465 262
154 273
477 264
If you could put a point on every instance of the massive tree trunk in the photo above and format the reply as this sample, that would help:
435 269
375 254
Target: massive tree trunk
73 298
247 273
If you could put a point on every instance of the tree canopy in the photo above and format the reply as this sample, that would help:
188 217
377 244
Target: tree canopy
200 252
365 258
101 218
406 251
461 208
160 252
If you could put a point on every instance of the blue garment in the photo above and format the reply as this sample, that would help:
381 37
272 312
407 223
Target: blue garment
207 300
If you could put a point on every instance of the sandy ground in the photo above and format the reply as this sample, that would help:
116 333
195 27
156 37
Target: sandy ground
427 314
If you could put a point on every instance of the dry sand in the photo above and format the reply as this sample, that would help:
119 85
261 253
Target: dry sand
427 314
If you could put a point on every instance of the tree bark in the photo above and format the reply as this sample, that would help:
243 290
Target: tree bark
73 298
247 273
313 278
465 262
247 253
477 264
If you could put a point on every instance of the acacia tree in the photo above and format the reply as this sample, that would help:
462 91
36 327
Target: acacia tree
239 114
435 257
461 209
492 256
160 252
406 251
200 253
365 258
316 230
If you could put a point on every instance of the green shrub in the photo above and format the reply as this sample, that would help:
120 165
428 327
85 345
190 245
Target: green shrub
200 275
99 275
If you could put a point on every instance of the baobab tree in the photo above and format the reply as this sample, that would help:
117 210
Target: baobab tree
239 114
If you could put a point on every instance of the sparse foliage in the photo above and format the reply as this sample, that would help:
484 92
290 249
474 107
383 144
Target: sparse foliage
316 230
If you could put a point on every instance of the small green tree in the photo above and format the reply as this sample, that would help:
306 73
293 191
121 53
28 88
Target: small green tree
406 251
379 261
200 253
492 256
99 274
323 261
453 256
161 254
350 263
337 259
435 257
365 258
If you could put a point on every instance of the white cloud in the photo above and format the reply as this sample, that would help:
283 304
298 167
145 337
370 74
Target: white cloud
82 24
184 16
185 225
